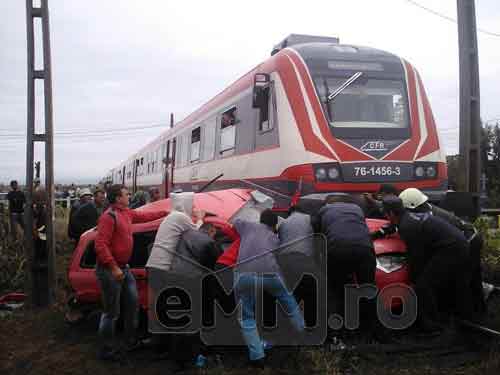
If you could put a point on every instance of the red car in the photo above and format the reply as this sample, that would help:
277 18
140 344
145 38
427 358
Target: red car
222 207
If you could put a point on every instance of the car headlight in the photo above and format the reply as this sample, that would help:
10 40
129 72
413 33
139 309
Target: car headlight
321 174
419 171
333 173
390 263
431 171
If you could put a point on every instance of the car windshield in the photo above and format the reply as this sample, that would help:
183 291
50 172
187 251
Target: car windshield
365 103
251 210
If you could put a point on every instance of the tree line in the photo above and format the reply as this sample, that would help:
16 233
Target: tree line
490 163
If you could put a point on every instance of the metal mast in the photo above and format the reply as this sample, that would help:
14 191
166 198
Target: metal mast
43 276
470 121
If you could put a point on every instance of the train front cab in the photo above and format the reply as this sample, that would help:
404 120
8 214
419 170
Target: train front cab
380 127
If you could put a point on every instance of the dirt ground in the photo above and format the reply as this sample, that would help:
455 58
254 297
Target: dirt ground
40 342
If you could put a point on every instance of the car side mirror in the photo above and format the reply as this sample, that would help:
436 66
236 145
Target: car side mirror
261 90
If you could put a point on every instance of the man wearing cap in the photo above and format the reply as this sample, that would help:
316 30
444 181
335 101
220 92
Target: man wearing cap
415 200
84 216
438 256
154 194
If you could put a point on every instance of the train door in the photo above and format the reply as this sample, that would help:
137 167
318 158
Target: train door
134 175
166 171
267 129
172 162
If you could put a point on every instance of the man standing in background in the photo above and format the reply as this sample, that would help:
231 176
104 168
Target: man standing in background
16 200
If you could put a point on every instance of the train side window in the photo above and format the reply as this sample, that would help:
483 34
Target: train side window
266 117
228 131
208 149
195 145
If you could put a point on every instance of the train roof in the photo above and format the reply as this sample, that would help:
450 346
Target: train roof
309 48
331 51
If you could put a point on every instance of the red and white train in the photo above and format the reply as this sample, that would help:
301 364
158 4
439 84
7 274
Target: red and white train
317 116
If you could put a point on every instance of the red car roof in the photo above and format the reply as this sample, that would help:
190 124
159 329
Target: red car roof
221 203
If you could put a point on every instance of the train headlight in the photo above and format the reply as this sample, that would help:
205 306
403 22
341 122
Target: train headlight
431 171
321 174
419 172
333 173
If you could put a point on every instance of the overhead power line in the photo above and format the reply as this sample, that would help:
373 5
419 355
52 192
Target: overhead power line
448 18
81 132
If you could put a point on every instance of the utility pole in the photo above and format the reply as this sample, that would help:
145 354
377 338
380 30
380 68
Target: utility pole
42 280
470 121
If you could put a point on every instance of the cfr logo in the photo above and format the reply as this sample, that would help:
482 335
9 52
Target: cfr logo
374 146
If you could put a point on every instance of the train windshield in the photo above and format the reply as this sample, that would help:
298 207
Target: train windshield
365 103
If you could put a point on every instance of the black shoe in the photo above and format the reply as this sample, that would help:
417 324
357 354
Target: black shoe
258 363
109 354
427 328
135 345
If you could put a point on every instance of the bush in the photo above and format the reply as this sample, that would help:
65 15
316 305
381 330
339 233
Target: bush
491 248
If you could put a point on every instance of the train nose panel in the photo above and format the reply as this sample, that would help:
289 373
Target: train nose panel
377 148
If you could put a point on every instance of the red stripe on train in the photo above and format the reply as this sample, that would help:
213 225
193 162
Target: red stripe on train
344 151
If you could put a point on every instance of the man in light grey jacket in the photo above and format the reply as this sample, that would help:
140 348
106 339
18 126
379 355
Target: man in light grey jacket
171 229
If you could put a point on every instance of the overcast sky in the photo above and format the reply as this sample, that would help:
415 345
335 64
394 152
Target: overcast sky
129 63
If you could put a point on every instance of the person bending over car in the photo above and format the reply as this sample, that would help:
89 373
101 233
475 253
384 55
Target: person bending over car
349 252
298 258
258 267
193 260
113 246
416 201
171 229
438 256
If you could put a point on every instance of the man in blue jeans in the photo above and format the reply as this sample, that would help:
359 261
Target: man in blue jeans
257 269
113 247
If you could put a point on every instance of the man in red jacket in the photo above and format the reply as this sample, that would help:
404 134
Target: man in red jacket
113 246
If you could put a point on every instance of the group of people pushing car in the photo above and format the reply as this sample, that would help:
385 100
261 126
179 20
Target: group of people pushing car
442 250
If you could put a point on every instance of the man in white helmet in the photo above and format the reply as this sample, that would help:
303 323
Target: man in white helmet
416 201
438 262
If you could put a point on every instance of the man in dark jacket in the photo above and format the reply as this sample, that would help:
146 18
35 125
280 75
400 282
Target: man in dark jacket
416 201
16 200
374 208
194 258
85 216
350 252
74 231
438 256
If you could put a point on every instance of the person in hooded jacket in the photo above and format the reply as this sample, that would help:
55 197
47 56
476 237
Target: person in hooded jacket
172 228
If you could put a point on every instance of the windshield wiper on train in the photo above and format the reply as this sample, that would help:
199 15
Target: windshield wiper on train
342 87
